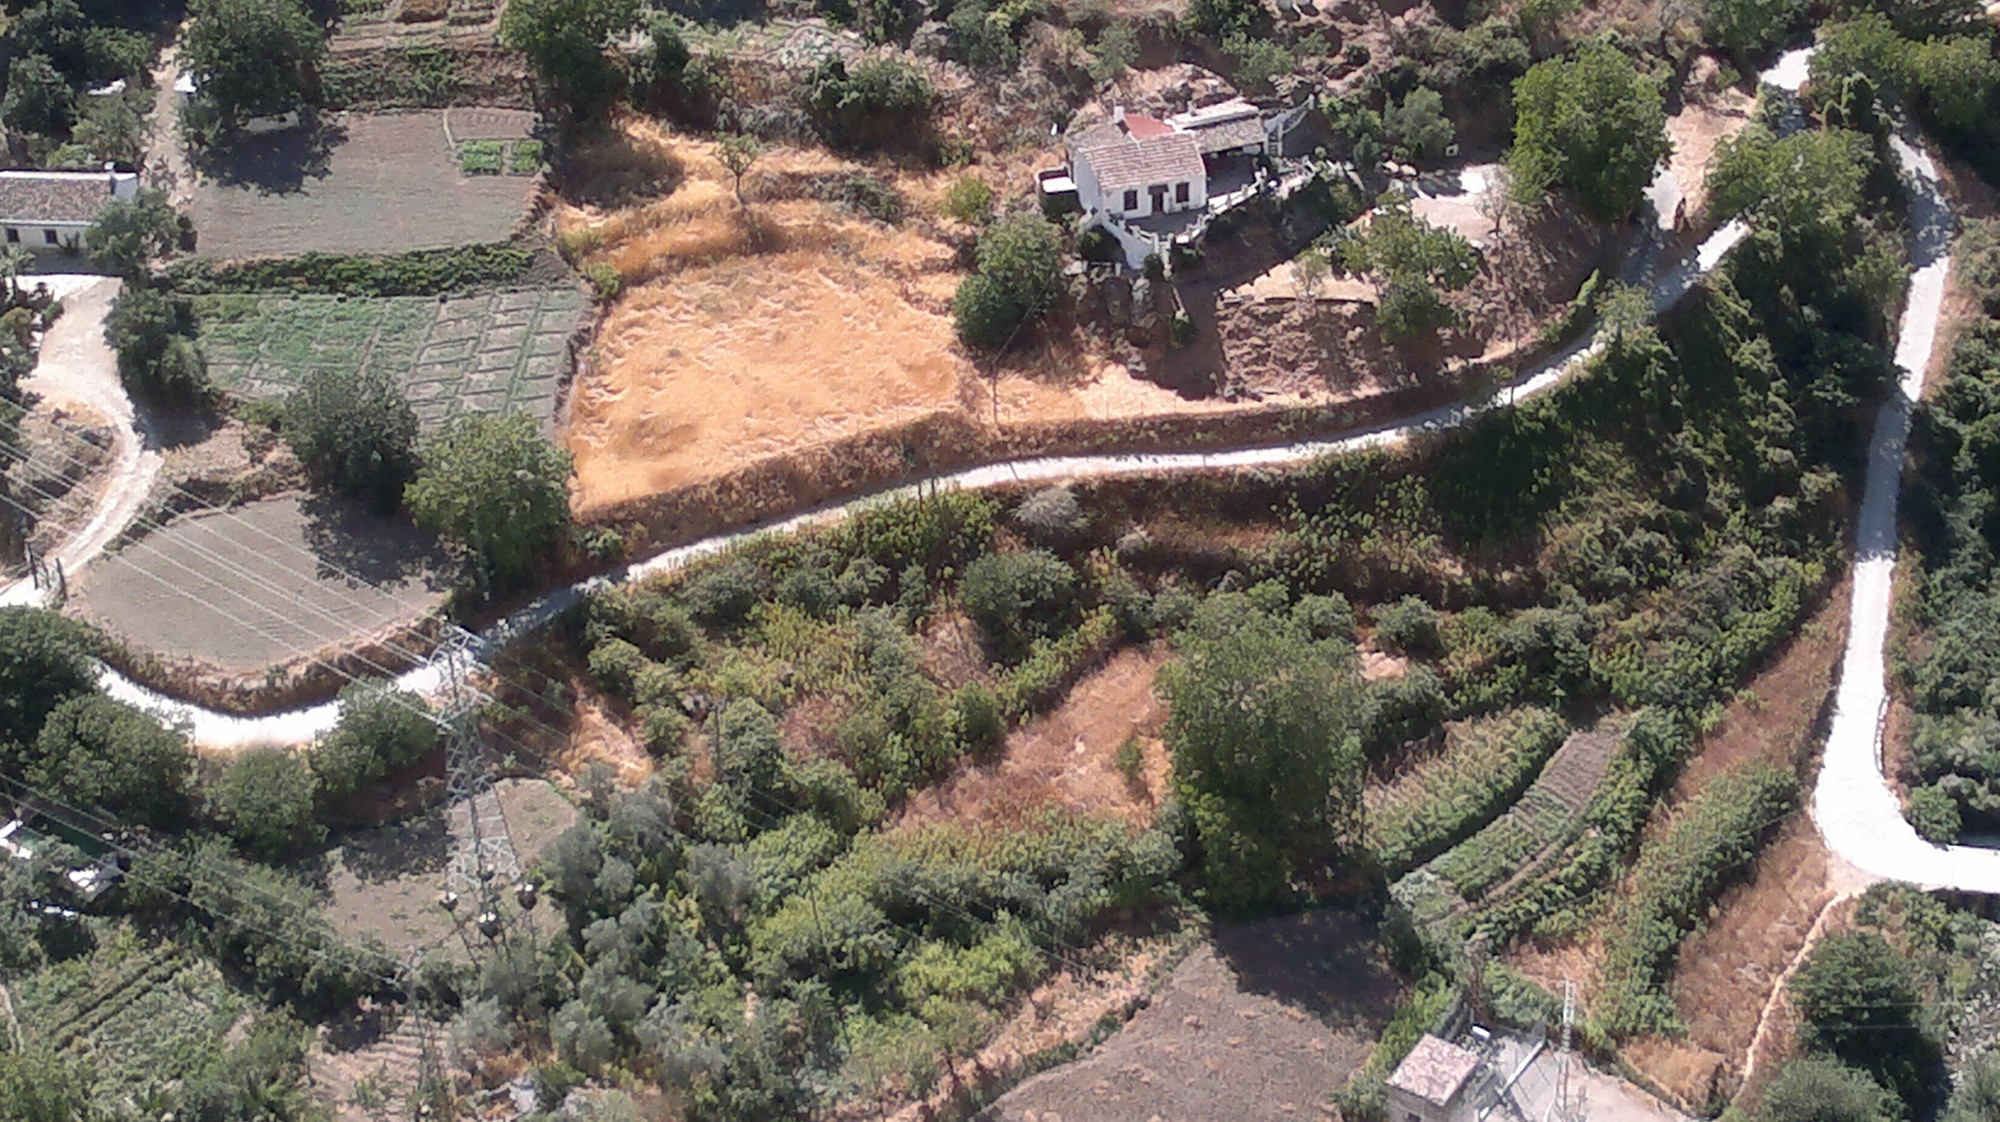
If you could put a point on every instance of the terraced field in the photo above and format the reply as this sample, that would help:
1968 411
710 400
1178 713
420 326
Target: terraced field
478 353
137 1012
1513 846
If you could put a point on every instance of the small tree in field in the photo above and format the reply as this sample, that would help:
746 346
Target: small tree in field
1412 263
497 491
380 730
738 153
355 433
252 57
1020 261
128 235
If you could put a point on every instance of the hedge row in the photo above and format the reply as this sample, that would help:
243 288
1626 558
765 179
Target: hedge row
423 272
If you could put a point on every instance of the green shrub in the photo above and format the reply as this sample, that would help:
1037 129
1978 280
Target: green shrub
881 101
1020 262
482 157
1017 598
1934 813
863 193
969 199
1408 626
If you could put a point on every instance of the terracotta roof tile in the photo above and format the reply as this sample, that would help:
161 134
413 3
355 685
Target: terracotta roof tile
52 197
1434 1070
1122 162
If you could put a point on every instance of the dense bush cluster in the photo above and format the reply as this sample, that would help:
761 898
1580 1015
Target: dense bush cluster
1953 766
51 53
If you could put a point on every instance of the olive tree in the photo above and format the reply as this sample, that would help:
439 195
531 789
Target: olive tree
565 42
1019 264
252 57
128 234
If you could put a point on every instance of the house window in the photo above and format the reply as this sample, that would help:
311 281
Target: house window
13 236
49 236
1132 200
1181 192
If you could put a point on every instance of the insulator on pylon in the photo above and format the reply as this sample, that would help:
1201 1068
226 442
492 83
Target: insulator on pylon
489 924
527 895
486 874
448 900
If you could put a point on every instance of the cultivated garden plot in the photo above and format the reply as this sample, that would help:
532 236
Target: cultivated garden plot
137 1010
380 183
483 353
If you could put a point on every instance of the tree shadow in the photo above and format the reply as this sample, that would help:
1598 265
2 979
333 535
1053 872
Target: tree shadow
418 847
273 163
350 542
1328 962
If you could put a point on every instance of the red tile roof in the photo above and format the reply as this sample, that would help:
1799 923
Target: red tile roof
1143 127
52 197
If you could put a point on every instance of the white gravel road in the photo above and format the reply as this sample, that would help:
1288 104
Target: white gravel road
76 366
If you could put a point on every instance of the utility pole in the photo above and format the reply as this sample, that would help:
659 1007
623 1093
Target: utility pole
483 849
1567 1106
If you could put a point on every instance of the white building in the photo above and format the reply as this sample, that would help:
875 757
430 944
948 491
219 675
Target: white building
1135 167
1434 1083
1227 128
48 211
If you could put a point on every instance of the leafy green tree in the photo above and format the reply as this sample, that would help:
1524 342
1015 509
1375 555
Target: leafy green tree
39 100
1260 62
381 729
1019 264
739 152
1116 49
1806 186
565 42
982 37
1217 19
1915 19
262 1078
129 234
354 432
881 101
264 798
111 129
1859 999
1743 27
1957 76
497 490
153 333
1418 127
1817 1089
1412 263
41 1087
45 659
1595 123
93 751
253 57
1265 760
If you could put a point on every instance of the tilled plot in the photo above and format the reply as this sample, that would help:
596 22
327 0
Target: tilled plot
486 352
262 584
374 183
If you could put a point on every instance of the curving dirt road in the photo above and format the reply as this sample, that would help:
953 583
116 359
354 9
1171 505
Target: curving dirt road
77 366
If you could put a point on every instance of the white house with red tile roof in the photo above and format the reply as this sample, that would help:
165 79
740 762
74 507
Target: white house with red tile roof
1134 167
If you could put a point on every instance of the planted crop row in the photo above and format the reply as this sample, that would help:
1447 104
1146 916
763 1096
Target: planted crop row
1501 849
1677 876
1485 766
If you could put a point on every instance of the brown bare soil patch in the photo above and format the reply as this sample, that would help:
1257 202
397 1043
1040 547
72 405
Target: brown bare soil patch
1696 131
372 183
68 455
600 736
952 652
1260 1024
384 882
1067 758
